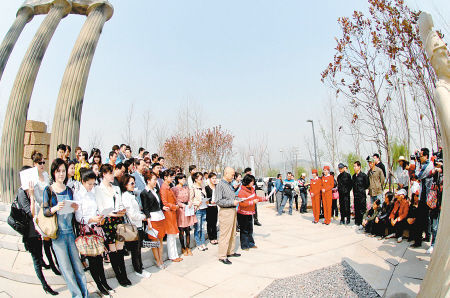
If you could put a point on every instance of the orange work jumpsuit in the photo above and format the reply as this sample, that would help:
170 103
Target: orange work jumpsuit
327 197
314 190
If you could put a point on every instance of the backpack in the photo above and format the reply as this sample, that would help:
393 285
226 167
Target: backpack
18 219
287 190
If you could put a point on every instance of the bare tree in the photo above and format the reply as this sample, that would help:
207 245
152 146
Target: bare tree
95 139
161 134
147 128
128 132
190 118
330 132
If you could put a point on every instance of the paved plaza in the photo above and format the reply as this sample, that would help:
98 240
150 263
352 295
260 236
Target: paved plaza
287 246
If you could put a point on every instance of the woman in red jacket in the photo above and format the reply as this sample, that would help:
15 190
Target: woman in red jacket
246 209
327 194
314 190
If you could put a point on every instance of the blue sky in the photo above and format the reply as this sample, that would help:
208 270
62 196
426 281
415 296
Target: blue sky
254 66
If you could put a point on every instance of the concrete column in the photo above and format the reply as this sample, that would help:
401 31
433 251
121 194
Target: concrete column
24 15
66 121
11 150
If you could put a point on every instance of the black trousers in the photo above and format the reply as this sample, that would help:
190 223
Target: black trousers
415 232
34 246
185 233
379 229
135 248
360 209
400 227
211 222
344 204
334 208
97 270
246 234
296 201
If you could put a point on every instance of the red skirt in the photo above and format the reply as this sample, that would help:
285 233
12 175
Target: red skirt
160 226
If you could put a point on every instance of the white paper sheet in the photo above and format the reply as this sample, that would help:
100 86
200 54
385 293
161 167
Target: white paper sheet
189 211
27 176
152 232
272 192
243 199
67 207
106 212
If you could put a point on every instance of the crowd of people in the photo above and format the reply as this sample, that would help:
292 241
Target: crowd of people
415 206
87 212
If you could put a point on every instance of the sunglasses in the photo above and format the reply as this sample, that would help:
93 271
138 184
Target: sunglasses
41 163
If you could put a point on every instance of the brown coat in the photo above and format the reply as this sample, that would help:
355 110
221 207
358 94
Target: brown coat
376 180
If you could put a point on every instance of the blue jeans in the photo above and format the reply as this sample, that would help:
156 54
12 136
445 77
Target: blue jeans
283 203
70 265
434 228
199 232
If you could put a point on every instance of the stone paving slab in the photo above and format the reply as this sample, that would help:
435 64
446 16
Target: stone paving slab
287 246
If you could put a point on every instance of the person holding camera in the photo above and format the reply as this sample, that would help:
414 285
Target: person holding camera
424 175
288 193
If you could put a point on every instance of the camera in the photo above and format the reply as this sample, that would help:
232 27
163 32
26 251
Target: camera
415 156
438 154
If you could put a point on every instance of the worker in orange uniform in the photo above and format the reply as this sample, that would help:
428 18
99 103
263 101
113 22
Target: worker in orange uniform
327 194
314 190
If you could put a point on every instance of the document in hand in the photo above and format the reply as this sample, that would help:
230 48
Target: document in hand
152 232
189 211
68 207
27 176
106 212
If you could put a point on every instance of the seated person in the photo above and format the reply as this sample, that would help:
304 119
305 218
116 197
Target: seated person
370 215
382 221
399 214
415 221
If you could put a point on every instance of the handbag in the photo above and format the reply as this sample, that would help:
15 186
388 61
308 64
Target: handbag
335 194
90 245
127 232
48 225
432 197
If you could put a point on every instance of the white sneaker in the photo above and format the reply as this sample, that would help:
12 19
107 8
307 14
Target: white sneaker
146 274
399 240
430 250
390 236
139 274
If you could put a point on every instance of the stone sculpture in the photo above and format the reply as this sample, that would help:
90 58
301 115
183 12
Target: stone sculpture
71 94
437 279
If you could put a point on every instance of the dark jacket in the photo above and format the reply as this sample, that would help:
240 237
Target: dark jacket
382 167
150 203
385 211
24 204
345 184
360 184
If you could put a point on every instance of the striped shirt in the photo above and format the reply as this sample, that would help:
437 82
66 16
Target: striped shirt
224 194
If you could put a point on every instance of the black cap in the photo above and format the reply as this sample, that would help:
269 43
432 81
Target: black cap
341 165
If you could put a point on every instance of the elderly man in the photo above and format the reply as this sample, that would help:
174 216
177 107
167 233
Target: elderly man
225 198
376 180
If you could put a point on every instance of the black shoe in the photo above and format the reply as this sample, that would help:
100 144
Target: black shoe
106 286
341 222
347 222
257 223
416 245
234 255
123 283
127 281
225 261
102 290
49 290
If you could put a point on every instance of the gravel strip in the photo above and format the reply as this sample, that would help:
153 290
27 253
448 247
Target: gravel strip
339 280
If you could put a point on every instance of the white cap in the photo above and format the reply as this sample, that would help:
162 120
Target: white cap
402 192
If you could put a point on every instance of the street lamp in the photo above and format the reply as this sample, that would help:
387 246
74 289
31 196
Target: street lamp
315 147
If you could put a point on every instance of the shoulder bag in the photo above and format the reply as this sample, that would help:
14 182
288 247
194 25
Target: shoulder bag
48 225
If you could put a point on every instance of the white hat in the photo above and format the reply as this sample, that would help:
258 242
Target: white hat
402 158
402 192
303 174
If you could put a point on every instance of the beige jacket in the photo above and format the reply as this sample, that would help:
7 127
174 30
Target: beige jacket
376 179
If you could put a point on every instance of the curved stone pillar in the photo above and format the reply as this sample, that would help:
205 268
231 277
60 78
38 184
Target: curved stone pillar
24 15
437 279
11 150
66 121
